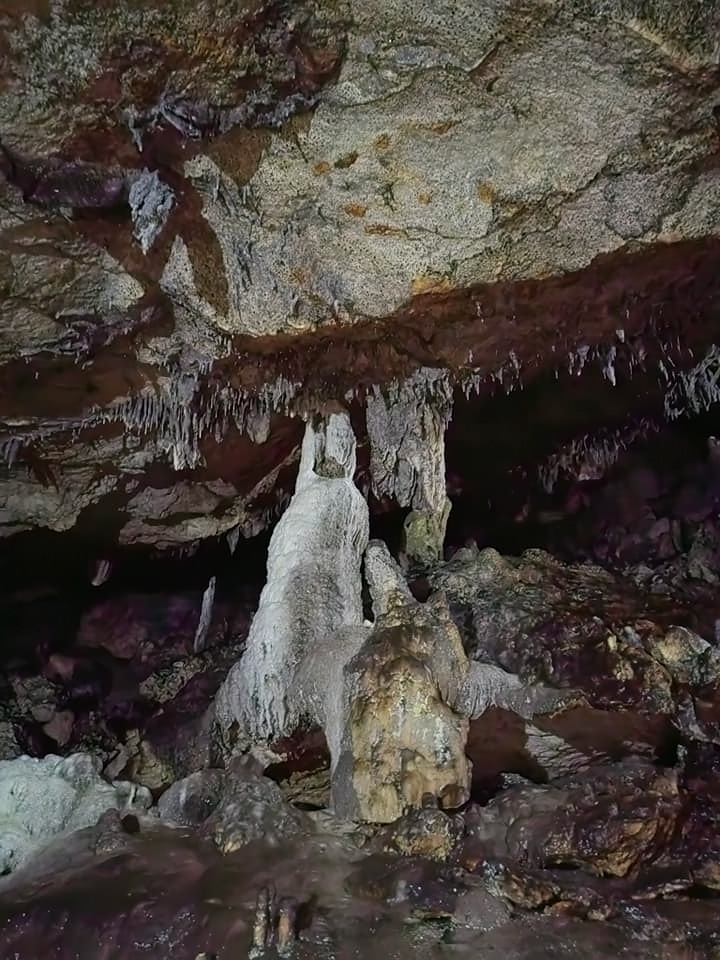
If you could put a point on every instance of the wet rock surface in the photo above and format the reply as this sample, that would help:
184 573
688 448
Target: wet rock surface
251 808
612 821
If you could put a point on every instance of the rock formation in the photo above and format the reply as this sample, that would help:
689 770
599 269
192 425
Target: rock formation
401 738
194 249
358 374
41 800
312 599
383 696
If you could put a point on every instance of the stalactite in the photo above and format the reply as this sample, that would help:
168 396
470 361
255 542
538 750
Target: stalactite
694 390
595 453
101 572
406 429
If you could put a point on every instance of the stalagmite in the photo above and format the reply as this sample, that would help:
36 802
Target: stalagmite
401 738
206 611
393 698
407 457
313 591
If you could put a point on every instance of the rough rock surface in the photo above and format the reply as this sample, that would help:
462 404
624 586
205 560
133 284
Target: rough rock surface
313 593
43 799
611 821
426 832
252 808
576 627
573 663
232 807
321 198
401 738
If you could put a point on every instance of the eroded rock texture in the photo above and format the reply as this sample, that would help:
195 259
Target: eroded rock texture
319 198
353 263
401 737
312 597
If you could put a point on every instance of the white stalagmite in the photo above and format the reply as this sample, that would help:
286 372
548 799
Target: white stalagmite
206 611
312 594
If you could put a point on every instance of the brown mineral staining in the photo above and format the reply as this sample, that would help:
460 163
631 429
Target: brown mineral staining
439 126
382 142
298 276
384 230
238 152
485 192
208 265
355 209
342 163
430 283
321 167
424 198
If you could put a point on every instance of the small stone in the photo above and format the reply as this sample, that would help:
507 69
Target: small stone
689 658
262 924
286 925
427 832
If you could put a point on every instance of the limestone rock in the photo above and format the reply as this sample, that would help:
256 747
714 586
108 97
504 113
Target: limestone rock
688 658
539 619
42 799
611 821
402 739
424 832
232 807
190 801
313 592
251 808
424 151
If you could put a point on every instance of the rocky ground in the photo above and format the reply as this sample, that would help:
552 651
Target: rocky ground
588 828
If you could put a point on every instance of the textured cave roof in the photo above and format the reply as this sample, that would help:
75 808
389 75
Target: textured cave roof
217 216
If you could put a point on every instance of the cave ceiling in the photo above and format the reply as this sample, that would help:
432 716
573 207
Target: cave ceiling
216 217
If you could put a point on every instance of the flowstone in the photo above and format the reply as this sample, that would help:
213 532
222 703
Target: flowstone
313 593
41 800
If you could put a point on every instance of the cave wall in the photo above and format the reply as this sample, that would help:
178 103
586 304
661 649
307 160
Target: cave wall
310 200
